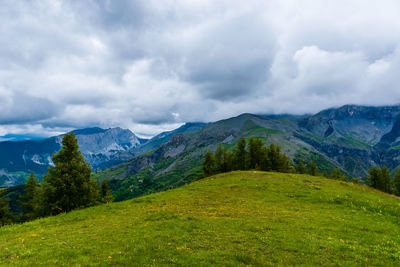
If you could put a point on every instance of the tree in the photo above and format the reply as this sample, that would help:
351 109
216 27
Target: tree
105 192
336 174
29 200
300 168
256 154
5 215
219 159
385 181
239 155
209 164
313 169
396 183
373 178
68 185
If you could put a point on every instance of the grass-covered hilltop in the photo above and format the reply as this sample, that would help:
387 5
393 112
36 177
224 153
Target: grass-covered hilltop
236 218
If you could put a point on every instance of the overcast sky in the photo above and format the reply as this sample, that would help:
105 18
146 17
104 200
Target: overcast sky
151 65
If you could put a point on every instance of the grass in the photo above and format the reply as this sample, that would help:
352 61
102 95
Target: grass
233 219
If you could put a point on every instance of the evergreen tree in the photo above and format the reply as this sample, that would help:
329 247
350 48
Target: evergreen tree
255 153
209 164
5 215
396 183
300 168
68 185
219 159
105 192
228 161
385 180
336 174
272 158
313 169
29 200
373 178
283 164
239 155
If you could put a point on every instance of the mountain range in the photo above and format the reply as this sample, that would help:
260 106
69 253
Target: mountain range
102 148
353 138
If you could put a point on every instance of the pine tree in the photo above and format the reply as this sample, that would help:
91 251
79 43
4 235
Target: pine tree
29 200
300 168
396 183
313 169
209 164
283 163
386 182
5 214
228 162
373 178
239 155
68 185
105 193
219 159
335 174
255 153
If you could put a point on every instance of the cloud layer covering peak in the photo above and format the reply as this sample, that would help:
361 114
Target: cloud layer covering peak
152 65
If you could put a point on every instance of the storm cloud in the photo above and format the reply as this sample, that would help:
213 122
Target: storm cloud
152 65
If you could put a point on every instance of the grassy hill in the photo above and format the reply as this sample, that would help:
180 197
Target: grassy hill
238 218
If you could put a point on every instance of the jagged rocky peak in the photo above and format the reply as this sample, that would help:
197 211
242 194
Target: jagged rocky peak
107 141
363 123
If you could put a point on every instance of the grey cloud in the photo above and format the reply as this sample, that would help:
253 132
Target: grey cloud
27 109
151 65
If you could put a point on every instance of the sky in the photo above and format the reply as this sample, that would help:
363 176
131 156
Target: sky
152 65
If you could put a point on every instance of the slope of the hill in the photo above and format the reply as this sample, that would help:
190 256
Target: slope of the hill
239 218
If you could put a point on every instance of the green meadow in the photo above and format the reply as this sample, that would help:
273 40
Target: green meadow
232 219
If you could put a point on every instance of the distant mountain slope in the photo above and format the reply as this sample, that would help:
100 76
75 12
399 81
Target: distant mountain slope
234 219
148 145
97 145
353 138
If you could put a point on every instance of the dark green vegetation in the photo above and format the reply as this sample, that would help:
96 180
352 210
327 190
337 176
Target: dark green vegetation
380 179
256 157
67 186
239 218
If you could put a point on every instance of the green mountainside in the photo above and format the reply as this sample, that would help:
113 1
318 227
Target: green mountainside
238 218
352 138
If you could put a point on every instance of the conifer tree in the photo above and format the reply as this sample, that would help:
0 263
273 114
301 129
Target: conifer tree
228 162
396 183
385 180
30 199
283 164
5 214
209 164
68 185
105 192
373 178
313 168
239 155
219 159
300 168
255 153
335 174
